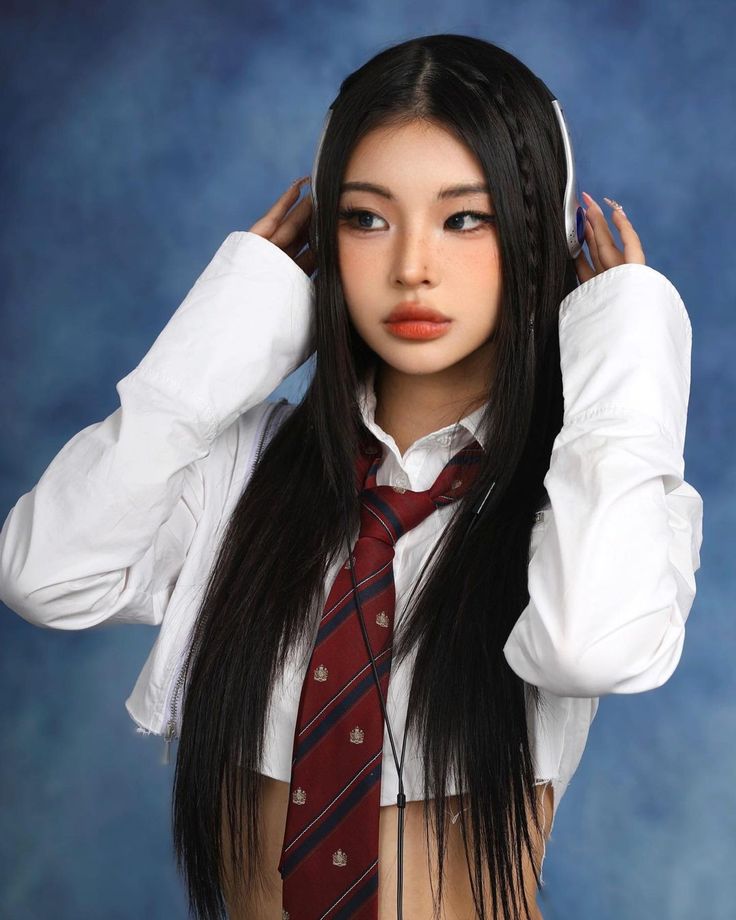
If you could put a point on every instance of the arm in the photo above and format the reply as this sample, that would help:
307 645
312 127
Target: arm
612 580
103 535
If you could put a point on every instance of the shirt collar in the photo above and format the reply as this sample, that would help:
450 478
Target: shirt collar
459 435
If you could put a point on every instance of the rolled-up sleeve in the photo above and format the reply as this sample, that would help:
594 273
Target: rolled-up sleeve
612 580
103 534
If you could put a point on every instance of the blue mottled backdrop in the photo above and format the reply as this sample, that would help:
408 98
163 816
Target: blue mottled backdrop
136 136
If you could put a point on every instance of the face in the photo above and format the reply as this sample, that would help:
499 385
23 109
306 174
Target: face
416 237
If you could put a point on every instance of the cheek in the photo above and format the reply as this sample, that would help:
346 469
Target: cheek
477 278
482 267
354 263
358 278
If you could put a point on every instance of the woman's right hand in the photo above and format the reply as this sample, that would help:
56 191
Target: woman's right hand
289 229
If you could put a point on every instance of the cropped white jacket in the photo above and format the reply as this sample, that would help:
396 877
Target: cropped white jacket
124 523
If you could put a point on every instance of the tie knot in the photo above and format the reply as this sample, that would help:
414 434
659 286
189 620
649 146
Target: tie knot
387 512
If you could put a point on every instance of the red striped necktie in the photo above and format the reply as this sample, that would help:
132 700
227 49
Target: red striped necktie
329 858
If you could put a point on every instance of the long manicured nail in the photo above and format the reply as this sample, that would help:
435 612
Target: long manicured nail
615 205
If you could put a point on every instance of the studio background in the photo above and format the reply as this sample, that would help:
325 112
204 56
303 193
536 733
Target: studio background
136 136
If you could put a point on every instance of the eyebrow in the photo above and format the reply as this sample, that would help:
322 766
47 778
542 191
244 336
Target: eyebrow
453 191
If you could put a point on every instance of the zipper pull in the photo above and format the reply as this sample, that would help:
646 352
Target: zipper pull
168 738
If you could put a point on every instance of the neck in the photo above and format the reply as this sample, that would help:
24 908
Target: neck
409 406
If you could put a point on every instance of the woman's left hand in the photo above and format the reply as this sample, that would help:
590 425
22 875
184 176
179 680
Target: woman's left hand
601 246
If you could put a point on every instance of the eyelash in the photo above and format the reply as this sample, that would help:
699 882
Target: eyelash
349 213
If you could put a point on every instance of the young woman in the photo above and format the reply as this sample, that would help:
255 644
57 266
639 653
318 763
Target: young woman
554 387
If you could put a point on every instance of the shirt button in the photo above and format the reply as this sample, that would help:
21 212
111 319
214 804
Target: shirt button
401 484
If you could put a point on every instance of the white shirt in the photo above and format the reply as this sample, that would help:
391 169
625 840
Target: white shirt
123 525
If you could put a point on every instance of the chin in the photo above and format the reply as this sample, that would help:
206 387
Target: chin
409 366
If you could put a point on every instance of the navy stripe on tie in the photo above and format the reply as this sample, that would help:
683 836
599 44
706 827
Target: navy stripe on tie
365 594
386 512
469 459
330 823
360 897
368 765
338 693
323 727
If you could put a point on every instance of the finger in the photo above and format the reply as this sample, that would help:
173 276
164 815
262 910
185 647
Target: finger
592 245
292 232
295 245
583 268
608 253
267 224
295 225
633 251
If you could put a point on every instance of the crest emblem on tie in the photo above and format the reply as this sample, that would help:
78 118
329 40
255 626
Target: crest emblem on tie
339 858
299 796
320 673
357 735
382 619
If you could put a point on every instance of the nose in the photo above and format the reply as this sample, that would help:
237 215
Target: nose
415 259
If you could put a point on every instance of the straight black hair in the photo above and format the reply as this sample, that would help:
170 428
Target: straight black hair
261 602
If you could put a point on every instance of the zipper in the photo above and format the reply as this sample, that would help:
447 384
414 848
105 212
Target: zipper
170 731
271 414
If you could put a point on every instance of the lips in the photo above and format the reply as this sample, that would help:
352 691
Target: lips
413 310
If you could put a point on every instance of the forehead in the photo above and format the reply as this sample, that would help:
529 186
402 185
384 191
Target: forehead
418 156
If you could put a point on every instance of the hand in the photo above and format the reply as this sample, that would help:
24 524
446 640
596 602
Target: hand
289 230
601 246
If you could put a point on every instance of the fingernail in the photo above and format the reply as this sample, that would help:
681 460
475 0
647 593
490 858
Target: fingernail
614 204
587 197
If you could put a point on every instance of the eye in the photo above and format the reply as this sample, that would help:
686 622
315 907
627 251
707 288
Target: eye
475 215
348 214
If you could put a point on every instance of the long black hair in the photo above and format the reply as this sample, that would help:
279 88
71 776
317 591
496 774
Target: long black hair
466 705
